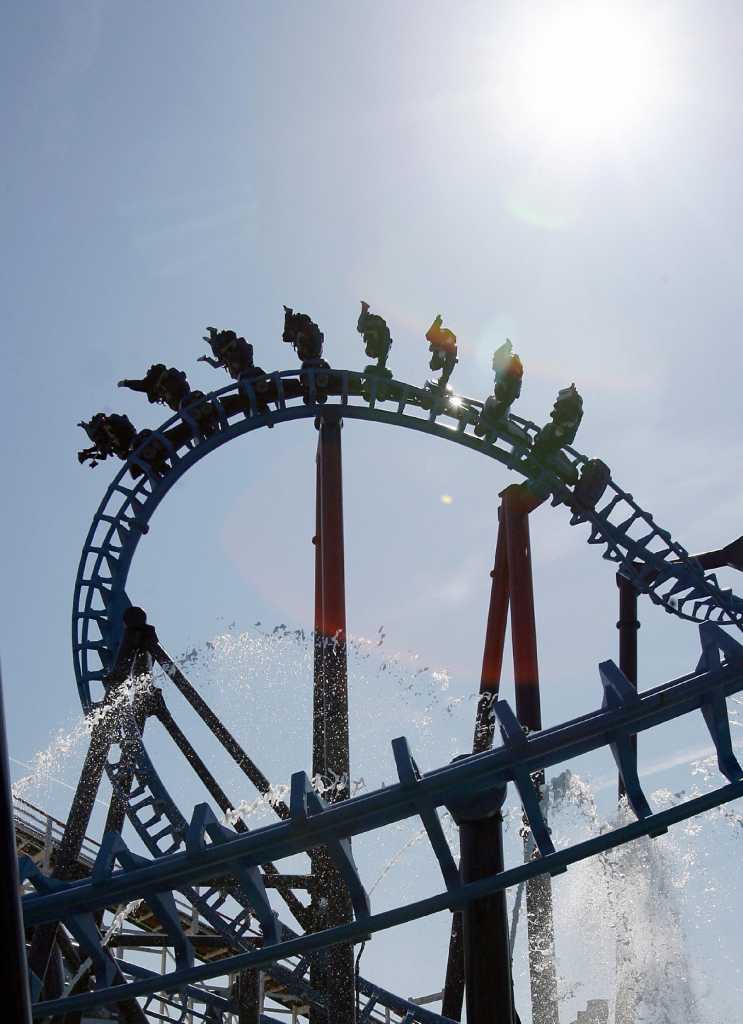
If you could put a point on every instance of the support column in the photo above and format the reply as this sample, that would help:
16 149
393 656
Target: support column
479 951
330 623
318 695
517 503
248 986
495 640
333 971
626 981
628 625
487 953
13 968
131 658
42 948
453 1000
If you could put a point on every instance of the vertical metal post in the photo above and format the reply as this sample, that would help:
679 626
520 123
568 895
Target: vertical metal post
318 966
453 998
46 860
13 967
479 952
330 746
318 701
331 626
517 503
487 953
248 984
516 508
163 970
628 624
495 639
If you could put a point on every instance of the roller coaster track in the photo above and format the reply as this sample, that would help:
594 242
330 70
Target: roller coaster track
181 861
38 838
473 782
644 551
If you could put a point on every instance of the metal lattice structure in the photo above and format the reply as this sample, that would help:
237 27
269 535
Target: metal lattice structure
647 554
218 929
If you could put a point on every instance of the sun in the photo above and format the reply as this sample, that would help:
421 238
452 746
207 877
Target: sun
584 73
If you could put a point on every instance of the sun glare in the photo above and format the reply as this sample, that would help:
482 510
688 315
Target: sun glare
587 72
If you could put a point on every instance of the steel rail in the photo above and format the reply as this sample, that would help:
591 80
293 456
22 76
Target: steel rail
127 507
358 930
464 780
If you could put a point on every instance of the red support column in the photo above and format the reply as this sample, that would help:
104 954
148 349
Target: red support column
487 951
516 508
488 984
495 641
479 961
332 620
318 972
333 970
517 504
318 702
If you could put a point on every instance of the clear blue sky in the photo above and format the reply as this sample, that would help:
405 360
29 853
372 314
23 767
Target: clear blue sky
562 174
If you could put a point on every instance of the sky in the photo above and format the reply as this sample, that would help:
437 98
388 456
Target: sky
563 174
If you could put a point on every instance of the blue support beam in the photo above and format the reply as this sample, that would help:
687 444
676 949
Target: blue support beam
355 931
474 781
303 803
620 694
514 739
460 782
409 776
204 824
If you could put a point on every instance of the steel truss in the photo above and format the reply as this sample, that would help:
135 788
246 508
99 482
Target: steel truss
474 781
655 563
190 857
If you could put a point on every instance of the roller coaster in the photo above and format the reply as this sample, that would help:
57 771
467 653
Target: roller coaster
201 891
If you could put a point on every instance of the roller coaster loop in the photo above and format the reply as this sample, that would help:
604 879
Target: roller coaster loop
647 554
186 855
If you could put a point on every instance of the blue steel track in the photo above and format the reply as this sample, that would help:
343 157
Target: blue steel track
180 861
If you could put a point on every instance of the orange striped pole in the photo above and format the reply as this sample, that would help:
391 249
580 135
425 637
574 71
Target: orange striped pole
333 973
517 504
